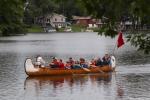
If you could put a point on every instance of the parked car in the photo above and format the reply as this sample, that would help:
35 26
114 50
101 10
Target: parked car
88 30
68 29
51 30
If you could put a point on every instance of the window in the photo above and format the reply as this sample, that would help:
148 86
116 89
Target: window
48 20
62 19
56 19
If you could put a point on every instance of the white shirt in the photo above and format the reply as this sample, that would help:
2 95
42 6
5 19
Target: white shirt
41 61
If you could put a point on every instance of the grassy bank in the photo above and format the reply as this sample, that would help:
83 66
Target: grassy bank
35 29
77 28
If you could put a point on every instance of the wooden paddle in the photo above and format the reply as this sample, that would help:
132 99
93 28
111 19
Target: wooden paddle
98 68
86 69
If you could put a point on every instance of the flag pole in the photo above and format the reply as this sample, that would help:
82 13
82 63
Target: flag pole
119 42
114 48
115 44
118 30
119 37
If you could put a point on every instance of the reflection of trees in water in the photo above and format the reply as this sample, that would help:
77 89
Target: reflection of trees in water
70 80
135 84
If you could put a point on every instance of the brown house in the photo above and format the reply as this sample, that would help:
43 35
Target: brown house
87 21
82 20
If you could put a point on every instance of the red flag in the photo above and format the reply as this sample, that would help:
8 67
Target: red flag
120 40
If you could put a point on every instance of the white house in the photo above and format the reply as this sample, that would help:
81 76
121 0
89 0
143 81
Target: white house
55 20
58 20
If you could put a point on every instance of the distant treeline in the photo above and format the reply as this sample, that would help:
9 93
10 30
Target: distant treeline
16 15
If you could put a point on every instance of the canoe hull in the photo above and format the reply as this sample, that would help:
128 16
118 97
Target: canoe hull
48 71
45 71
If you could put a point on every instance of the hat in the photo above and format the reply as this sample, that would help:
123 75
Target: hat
53 57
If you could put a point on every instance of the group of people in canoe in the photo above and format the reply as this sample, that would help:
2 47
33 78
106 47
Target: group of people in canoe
74 64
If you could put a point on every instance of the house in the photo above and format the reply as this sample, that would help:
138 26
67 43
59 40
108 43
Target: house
57 20
53 20
84 21
100 23
87 21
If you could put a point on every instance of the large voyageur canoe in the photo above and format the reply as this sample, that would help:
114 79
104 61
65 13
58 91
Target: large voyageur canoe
31 70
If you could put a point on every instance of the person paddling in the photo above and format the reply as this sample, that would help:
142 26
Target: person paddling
98 62
61 64
40 61
67 65
106 59
54 63
71 61
83 63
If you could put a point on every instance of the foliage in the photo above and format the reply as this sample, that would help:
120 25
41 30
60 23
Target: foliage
40 7
77 28
107 31
119 11
70 8
11 12
141 40
36 8
35 29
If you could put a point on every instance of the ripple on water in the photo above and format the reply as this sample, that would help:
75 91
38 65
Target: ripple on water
131 81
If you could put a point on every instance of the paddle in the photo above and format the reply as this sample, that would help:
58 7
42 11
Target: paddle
98 68
86 69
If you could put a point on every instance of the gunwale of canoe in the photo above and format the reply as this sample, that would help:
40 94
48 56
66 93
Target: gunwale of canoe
50 71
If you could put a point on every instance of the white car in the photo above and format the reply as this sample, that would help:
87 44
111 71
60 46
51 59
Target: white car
88 30
68 29
51 30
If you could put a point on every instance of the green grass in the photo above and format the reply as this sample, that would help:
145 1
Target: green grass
96 29
60 29
35 29
77 28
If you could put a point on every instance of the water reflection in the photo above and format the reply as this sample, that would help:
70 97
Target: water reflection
104 86
70 80
130 82
95 86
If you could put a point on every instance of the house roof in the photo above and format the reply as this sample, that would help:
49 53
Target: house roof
59 15
54 15
80 17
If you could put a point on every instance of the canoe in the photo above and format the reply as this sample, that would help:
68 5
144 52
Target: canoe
31 70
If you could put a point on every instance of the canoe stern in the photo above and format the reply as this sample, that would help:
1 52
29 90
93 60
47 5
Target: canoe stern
29 67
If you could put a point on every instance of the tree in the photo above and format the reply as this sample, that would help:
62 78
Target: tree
116 11
36 8
69 8
11 12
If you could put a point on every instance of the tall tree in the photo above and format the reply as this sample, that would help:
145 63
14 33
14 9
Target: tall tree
70 8
36 8
11 12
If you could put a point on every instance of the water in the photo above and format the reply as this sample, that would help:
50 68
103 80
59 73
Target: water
129 82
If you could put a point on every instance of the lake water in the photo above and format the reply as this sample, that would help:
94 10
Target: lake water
131 81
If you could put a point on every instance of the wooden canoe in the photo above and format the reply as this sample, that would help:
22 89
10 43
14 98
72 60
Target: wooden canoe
31 70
